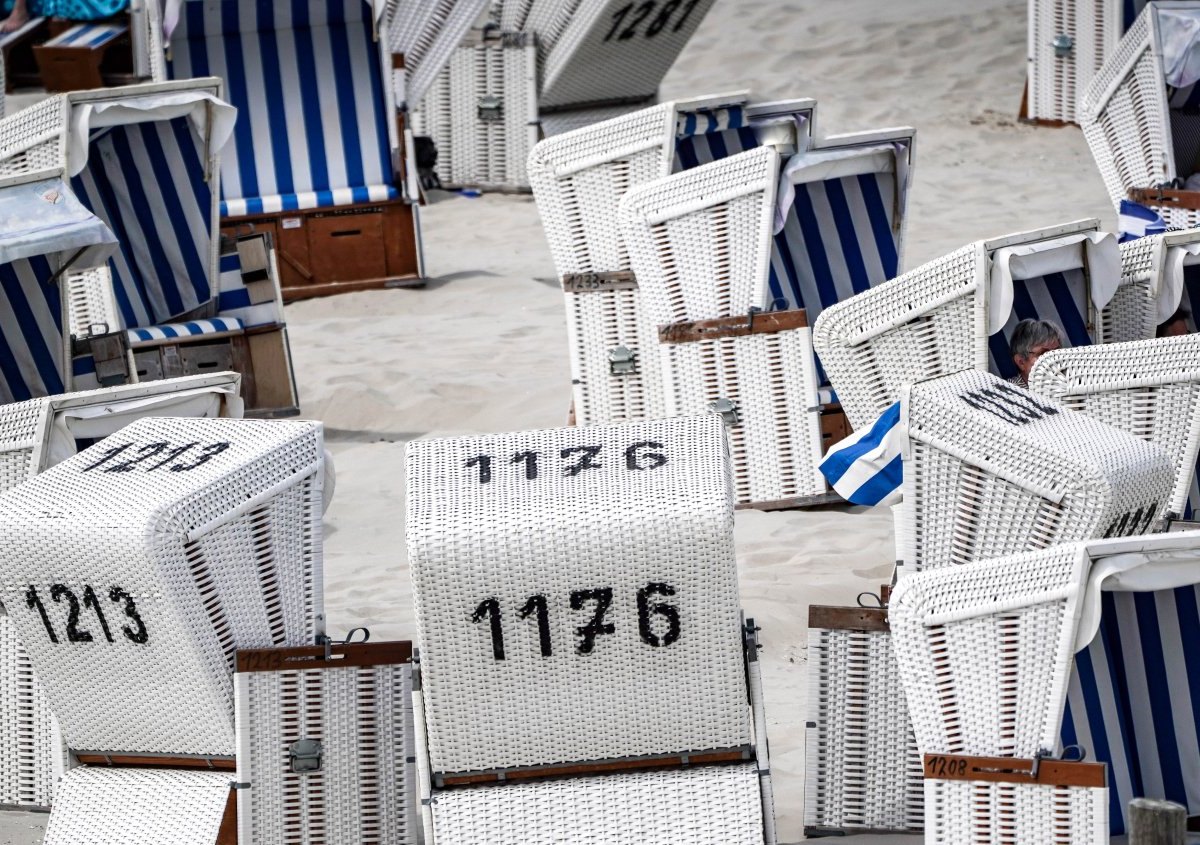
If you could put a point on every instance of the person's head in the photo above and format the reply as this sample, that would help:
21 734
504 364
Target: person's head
1174 325
1030 340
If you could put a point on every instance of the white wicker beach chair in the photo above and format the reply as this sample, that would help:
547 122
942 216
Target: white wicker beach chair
986 649
570 585
956 312
326 745
1068 42
1139 115
578 180
993 469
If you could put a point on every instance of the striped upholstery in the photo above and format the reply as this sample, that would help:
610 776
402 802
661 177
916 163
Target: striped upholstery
89 35
866 468
162 267
1134 698
154 335
306 78
30 332
234 300
1060 297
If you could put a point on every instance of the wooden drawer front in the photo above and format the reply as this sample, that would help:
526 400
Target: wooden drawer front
205 358
347 247
148 365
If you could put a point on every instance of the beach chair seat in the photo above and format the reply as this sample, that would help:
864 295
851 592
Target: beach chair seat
316 158
326 744
582 626
993 469
1028 649
16 52
71 60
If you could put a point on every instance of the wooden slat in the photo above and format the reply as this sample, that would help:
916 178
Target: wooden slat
227 834
736 755
138 761
848 618
596 282
313 657
768 322
1162 197
1014 770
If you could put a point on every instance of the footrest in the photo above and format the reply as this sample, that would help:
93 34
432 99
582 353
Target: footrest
71 60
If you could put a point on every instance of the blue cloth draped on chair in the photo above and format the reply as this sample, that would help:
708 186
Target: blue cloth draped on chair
73 10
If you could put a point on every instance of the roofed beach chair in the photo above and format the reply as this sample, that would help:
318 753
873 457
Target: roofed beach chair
1141 111
585 674
89 169
317 159
578 180
137 568
1021 657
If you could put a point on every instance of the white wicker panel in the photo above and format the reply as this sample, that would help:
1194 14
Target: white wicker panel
864 771
32 753
700 241
20 428
513 14
560 122
34 138
427 33
362 716
434 118
1055 82
642 510
185 539
775 445
1149 388
995 469
1014 814
90 302
701 806
548 19
612 51
1130 315
149 806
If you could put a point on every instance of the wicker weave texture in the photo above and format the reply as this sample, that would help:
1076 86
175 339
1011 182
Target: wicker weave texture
775 442
1056 81
1149 388
135 569
606 583
700 241
363 793
919 325
863 769
20 426
1015 814
90 302
426 34
702 806
32 753
99 806
995 470
34 138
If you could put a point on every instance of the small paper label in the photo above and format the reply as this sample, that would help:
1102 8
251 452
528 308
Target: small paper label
292 222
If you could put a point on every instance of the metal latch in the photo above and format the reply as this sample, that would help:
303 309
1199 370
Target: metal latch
622 361
1063 44
305 756
491 108
727 409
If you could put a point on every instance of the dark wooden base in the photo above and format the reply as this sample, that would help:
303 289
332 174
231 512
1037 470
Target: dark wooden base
64 69
325 251
20 65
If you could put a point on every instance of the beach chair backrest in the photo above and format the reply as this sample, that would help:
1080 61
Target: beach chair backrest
425 34
141 564
993 469
315 122
569 585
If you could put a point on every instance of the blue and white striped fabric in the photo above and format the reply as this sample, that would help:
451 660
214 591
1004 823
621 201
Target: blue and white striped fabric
153 335
87 35
30 331
1059 297
146 181
866 468
234 298
307 81
1134 698
1136 221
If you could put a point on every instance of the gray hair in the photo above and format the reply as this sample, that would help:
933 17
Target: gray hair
1031 333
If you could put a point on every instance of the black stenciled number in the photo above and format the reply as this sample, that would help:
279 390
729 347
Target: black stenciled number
207 455
138 635
663 18
152 450
586 460
484 462
34 601
530 459
172 455
57 591
109 454
687 12
636 459
640 15
536 605
90 600
602 596
669 612
618 17
490 608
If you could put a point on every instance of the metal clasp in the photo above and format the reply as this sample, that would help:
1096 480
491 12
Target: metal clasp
305 756
727 409
622 361
1063 44
491 108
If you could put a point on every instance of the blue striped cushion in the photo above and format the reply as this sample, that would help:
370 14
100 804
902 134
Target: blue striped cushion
312 199
234 299
30 331
192 328
707 121
307 81
146 181
87 35
1061 297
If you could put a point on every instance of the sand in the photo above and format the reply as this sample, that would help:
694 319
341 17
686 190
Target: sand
483 347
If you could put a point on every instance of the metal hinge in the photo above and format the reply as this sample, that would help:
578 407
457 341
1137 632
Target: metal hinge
622 361
727 409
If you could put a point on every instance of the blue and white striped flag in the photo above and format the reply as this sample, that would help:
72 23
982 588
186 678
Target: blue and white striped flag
866 467
1136 221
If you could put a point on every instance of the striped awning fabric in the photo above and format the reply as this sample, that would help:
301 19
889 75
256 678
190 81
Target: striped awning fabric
153 335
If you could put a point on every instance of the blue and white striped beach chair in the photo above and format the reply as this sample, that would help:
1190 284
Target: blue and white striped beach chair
316 157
